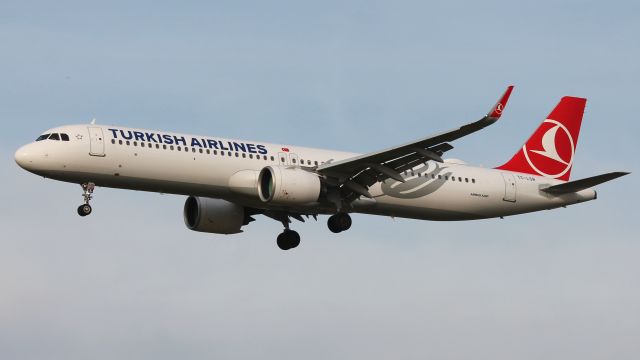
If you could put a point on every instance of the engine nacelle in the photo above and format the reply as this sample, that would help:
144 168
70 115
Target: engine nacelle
288 186
213 215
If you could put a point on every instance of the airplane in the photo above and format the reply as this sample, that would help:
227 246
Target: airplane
228 182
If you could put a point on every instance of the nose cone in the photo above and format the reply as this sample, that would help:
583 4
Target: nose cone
24 157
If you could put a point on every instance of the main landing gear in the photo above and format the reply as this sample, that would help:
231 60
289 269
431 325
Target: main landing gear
288 239
339 222
87 191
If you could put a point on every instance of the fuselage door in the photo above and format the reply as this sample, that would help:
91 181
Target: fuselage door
283 158
293 159
509 187
96 139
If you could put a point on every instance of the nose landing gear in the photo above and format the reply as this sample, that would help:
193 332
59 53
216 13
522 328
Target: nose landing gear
87 191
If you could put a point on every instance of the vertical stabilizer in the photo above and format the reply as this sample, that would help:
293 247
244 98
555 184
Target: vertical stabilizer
551 149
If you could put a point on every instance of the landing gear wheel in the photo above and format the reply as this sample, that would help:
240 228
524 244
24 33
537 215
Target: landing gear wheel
84 209
339 222
288 239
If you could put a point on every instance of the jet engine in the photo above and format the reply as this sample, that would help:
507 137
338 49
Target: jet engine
214 215
288 186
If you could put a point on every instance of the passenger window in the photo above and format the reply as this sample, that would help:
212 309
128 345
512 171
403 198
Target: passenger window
215 152
157 146
208 151
171 147
64 137
281 159
128 143
439 176
473 181
229 153
43 137
200 151
293 161
186 149
135 143
164 147
316 163
244 155
459 179
113 141
250 156
54 137
119 142
272 158
466 180
236 154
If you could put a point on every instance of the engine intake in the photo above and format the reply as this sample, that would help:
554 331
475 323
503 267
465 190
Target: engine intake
288 186
214 215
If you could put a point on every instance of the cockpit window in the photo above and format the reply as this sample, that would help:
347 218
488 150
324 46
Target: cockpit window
54 136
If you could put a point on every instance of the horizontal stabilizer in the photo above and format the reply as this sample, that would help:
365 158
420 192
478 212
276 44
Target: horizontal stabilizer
577 185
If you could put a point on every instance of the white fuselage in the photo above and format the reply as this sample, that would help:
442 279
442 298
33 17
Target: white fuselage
173 163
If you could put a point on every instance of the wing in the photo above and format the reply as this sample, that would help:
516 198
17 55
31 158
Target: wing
356 174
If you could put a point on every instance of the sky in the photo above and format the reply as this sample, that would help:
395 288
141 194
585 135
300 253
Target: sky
130 281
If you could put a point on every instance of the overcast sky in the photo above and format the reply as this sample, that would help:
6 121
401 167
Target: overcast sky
130 281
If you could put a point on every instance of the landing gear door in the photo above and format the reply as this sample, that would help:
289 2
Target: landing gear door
96 139
509 187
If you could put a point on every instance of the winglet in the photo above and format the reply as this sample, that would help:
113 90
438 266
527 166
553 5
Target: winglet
498 108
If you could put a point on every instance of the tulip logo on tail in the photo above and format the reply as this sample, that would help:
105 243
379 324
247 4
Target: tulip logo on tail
554 156
549 151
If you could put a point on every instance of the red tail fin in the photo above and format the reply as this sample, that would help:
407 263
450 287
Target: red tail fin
550 150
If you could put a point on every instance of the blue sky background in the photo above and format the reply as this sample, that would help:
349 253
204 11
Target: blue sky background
131 281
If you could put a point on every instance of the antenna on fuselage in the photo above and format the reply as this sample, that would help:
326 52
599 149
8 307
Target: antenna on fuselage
93 121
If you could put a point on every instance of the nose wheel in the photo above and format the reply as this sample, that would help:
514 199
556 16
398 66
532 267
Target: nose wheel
87 195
